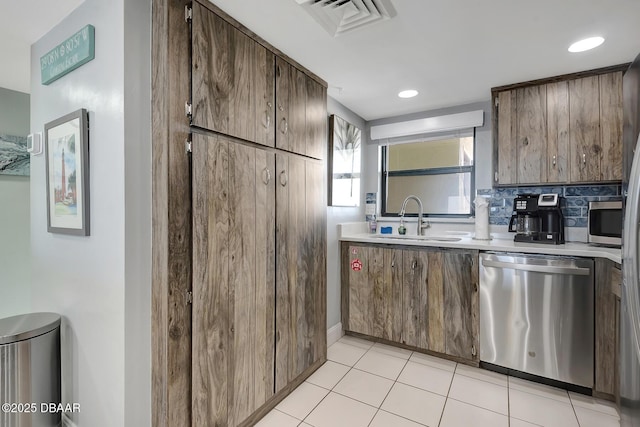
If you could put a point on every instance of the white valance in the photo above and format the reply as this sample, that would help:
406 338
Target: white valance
450 125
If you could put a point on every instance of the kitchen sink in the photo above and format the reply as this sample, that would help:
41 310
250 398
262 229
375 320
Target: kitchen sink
414 237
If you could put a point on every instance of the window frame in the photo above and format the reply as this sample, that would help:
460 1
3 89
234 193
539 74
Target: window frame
385 174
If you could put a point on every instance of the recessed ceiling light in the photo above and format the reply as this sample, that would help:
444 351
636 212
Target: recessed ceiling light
586 44
408 93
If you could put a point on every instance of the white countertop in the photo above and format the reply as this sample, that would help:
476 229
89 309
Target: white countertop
501 243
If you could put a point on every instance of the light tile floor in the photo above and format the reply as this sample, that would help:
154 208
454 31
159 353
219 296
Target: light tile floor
375 385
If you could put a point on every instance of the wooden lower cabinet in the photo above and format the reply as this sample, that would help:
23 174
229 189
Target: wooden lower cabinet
607 309
257 289
424 298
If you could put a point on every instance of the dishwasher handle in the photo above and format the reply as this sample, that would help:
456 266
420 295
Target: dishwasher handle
574 271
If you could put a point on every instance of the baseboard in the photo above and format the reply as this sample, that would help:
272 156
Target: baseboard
334 333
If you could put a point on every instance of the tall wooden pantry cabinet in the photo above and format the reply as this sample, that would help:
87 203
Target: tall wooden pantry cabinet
239 209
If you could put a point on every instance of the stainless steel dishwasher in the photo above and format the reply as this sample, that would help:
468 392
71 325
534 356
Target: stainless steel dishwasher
536 315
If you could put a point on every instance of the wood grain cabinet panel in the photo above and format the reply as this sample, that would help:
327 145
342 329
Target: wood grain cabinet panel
424 298
606 328
233 81
234 280
560 130
584 137
611 123
375 291
557 131
531 134
300 267
505 131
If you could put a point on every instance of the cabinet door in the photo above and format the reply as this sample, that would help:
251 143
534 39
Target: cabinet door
232 80
557 132
605 327
531 138
316 119
283 78
611 126
461 304
506 138
300 267
233 286
420 294
584 133
373 286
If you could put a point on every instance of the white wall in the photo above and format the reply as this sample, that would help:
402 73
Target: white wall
100 284
15 274
337 215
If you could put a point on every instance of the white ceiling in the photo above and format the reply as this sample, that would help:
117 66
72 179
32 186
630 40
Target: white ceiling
452 51
22 23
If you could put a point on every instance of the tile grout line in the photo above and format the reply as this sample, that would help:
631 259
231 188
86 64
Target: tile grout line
508 402
391 388
446 398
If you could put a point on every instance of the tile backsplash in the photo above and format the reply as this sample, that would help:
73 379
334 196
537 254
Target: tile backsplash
575 208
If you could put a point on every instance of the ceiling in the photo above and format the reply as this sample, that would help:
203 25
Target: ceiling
452 51
22 23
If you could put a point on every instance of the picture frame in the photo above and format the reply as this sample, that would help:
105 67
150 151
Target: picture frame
345 159
67 171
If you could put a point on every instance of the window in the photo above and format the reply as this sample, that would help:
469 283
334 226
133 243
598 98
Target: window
440 172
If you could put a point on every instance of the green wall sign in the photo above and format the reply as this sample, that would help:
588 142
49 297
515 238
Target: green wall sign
72 53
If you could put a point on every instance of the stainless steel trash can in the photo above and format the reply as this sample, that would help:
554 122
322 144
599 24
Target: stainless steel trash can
30 370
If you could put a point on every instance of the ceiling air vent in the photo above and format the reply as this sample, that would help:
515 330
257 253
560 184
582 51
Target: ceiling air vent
341 16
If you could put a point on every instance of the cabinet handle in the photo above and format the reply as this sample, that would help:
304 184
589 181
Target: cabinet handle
554 161
284 126
283 178
280 107
526 141
266 176
414 264
474 352
269 104
584 159
393 264
267 121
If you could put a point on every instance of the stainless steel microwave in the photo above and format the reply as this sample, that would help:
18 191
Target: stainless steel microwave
605 223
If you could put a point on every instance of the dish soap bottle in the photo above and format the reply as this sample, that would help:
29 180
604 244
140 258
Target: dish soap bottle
401 228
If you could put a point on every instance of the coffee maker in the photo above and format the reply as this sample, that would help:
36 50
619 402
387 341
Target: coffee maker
525 221
551 219
537 219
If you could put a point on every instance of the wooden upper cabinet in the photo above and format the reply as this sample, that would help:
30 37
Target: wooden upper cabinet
301 112
584 135
316 113
562 130
531 143
232 80
611 125
505 130
557 131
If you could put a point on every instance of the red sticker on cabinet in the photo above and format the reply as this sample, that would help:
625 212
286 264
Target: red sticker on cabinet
356 265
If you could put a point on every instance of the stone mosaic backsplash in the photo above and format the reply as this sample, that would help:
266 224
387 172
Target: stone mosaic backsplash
575 208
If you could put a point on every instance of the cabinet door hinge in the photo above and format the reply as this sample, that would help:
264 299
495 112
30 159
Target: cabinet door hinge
495 176
188 13
189 297
187 109
474 352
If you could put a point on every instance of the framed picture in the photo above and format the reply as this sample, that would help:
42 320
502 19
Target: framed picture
14 158
344 163
67 159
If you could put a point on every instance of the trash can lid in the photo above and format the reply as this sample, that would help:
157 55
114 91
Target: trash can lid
25 326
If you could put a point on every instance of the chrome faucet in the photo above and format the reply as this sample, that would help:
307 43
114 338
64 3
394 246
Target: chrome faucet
421 224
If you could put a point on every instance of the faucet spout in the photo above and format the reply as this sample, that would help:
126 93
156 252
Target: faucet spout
421 226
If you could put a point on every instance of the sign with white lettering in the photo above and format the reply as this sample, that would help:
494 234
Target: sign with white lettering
75 51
